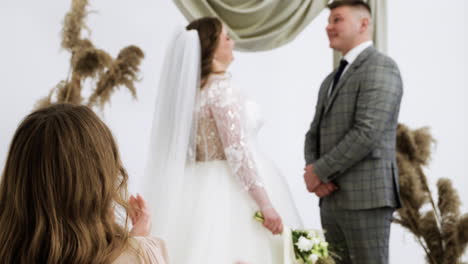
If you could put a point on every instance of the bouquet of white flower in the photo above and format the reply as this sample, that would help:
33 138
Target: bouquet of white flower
303 246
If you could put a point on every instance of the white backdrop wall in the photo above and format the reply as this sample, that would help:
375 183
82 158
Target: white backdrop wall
429 44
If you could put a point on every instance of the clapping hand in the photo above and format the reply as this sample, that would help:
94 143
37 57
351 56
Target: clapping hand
139 215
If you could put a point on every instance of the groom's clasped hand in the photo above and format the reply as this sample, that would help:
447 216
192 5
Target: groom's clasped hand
315 185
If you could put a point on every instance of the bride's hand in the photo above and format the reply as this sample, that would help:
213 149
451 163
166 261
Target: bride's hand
272 220
140 216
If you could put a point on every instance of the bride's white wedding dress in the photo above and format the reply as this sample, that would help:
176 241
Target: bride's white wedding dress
204 169
216 224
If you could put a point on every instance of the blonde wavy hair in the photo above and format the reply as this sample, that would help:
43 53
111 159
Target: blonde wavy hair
62 181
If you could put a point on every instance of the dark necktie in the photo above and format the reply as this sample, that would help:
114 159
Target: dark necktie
338 73
336 78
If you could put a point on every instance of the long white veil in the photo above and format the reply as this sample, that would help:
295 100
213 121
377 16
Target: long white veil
172 145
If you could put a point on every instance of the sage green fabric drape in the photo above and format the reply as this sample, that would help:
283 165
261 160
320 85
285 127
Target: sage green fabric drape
257 25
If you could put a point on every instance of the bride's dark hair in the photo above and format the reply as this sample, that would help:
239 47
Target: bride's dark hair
209 29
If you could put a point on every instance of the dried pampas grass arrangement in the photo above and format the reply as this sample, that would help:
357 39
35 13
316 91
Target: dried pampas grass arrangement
441 230
89 62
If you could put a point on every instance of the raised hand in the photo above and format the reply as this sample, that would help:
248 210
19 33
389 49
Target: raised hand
140 216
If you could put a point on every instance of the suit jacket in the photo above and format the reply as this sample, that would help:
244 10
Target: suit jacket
352 138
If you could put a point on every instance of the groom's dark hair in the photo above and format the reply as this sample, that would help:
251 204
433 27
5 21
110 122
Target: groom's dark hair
352 3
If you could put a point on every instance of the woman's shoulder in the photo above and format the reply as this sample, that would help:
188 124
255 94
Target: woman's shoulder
218 82
145 250
148 240
221 87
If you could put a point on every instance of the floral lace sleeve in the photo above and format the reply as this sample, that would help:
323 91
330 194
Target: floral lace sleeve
227 110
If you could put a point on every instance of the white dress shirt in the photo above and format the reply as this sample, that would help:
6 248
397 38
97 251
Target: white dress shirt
351 56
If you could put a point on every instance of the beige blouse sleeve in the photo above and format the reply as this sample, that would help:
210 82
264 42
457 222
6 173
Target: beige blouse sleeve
145 250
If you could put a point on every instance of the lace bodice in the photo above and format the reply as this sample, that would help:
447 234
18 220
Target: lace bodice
222 129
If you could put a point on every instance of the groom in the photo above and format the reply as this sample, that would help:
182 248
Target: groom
350 147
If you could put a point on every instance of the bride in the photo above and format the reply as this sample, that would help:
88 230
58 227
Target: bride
206 176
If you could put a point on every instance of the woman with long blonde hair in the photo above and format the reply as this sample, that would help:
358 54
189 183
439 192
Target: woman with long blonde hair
61 186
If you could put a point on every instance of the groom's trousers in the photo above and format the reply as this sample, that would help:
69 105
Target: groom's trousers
357 236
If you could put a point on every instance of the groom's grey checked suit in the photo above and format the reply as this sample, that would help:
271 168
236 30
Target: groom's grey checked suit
351 142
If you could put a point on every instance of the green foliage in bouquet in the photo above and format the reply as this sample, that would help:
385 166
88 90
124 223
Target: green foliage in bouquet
87 61
441 230
309 245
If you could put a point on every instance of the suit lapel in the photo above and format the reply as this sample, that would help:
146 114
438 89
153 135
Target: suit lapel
323 94
349 72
